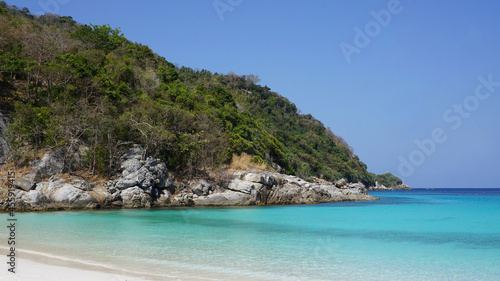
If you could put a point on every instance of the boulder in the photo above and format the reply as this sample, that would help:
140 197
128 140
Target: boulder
77 194
70 196
146 174
200 187
35 198
164 183
52 163
50 187
149 179
82 184
102 195
24 184
35 175
133 179
135 197
262 178
151 162
359 186
130 165
342 183
258 178
244 186
135 152
116 196
124 183
226 198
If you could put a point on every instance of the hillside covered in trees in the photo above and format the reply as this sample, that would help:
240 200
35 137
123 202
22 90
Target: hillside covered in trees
61 82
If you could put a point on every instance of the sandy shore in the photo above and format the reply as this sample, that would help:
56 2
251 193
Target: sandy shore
38 267
30 270
35 266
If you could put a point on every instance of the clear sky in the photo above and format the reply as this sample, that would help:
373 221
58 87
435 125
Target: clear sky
413 86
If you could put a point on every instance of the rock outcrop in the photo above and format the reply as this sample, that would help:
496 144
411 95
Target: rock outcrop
268 188
145 182
57 193
141 181
381 187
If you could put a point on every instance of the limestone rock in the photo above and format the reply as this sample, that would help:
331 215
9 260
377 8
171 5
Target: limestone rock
24 184
35 198
52 163
342 183
402 186
381 187
164 198
262 178
226 198
130 165
200 187
146 174
35 175
71 196
258 178
83 184
244 186
135 197
133 179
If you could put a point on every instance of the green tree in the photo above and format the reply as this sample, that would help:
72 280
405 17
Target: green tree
101 37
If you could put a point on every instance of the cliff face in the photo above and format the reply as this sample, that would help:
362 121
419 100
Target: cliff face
147 183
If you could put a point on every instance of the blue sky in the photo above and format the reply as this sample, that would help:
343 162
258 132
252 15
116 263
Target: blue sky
408 79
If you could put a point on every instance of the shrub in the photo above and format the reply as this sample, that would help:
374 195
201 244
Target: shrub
244 161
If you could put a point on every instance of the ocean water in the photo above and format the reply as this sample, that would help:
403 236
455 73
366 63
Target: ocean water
451 234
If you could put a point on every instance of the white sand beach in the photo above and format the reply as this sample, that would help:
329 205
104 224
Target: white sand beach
33 271
31 267
38 267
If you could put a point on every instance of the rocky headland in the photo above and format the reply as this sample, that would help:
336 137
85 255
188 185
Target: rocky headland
146 182
381 187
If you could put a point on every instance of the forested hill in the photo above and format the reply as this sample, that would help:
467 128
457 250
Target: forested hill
62 82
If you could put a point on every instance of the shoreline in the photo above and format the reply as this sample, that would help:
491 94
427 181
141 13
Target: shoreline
146 183
364 198
35 266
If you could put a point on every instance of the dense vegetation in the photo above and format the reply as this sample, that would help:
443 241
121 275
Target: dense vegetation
388 180
62 82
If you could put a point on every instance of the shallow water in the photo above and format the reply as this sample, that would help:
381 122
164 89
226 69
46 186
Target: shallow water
406 235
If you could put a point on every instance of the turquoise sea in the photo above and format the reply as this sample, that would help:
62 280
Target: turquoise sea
447 234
